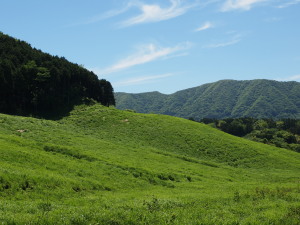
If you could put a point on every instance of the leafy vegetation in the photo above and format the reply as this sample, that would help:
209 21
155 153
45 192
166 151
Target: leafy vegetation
101 165
36 83
222 99
281 133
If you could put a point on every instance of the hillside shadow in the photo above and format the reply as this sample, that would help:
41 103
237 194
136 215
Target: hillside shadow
56 114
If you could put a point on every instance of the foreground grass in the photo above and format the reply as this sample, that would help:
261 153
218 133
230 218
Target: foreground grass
105 166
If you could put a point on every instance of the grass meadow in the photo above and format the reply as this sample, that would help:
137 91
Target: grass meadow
101 165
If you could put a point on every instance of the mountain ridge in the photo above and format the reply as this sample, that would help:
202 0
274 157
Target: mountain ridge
258 98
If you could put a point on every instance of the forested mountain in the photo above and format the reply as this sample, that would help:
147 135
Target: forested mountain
222 99
36 83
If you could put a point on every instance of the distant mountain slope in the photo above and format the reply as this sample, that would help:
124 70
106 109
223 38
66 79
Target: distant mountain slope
35 83
222 99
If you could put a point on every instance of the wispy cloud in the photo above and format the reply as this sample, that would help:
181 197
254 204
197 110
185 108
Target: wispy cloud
205 26
234 40
146 54
230 5
142 80
155 13
272 19
288 4
149 13
223 44
109 14
291 78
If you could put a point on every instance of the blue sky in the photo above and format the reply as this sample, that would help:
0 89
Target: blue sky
164 45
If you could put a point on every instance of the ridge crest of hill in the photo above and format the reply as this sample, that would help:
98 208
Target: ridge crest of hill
259 98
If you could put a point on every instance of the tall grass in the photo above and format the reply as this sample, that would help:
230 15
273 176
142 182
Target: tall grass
105 166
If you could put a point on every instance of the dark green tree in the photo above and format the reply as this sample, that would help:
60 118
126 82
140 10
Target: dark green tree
36 83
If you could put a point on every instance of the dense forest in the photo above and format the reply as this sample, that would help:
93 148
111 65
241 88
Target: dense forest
39 84
222 99
283 133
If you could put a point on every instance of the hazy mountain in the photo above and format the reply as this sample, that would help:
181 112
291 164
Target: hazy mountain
225 98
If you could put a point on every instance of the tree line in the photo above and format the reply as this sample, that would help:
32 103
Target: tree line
39 84
284 133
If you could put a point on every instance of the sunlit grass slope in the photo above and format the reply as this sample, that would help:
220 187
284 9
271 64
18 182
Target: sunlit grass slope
106 166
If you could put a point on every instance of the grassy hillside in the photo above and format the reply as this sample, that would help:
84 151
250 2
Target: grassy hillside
222 99
105 166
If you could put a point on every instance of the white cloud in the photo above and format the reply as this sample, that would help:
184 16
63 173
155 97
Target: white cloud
205 26
272 19
291 78
230 5
142 80
145 54
109 14
234 40
223 44
148 12
155 13
287 4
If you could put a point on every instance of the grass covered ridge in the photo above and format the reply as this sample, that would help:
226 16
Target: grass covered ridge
106 166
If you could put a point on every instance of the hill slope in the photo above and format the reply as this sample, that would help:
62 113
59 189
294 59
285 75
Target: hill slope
102 165
222 99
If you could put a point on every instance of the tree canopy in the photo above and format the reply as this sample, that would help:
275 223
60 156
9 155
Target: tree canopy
283 133
39 84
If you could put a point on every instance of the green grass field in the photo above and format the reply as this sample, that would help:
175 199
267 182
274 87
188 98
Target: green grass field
105 166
